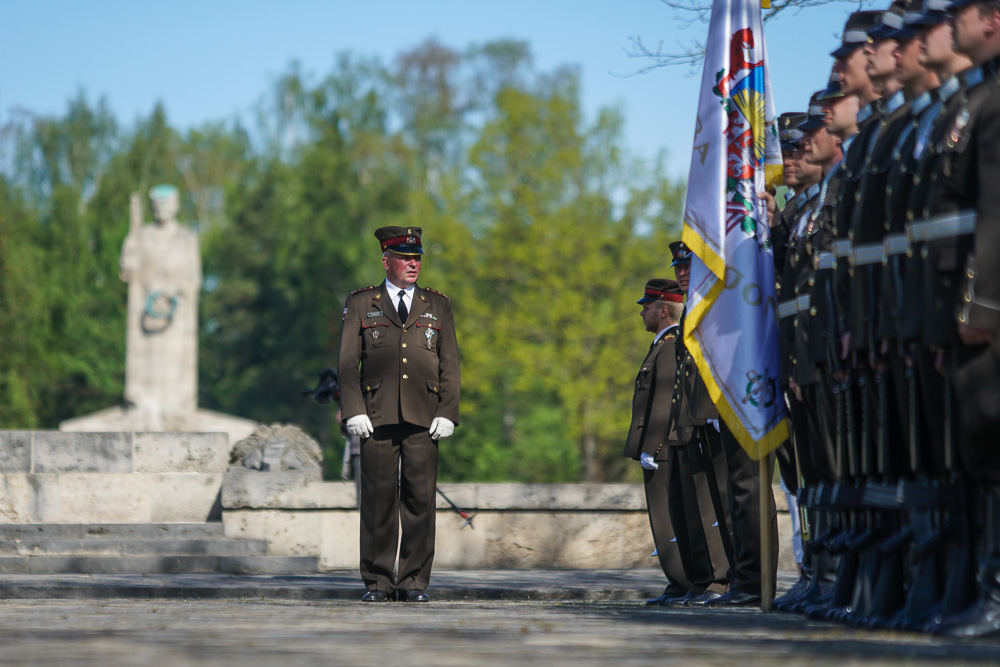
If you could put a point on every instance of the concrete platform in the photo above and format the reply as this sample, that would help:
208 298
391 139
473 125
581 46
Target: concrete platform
552 617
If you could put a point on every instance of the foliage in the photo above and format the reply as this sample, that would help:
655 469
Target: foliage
537 224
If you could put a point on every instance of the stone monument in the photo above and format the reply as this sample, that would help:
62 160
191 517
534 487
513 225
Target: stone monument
161 262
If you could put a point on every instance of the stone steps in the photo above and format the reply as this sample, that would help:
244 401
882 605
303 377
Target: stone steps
129 547
110 530
138 549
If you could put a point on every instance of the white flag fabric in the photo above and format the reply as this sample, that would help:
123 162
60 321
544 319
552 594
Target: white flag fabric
731 327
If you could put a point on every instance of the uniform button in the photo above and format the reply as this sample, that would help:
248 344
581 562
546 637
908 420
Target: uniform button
970 274
404 360
368 388
812 280
961 318
404 344
967 297
813 311
405 376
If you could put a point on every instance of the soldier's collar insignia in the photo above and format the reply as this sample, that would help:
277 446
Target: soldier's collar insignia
921 103
865 113
973 77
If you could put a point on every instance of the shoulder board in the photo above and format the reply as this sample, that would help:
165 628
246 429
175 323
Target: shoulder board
669 336
434 291
363 289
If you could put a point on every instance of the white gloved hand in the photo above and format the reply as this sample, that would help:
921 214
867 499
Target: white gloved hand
441 427
360 425
647 462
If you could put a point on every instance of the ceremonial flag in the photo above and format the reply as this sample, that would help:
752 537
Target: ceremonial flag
731 327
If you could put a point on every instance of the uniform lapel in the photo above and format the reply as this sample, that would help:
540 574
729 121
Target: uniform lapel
386 304
420 304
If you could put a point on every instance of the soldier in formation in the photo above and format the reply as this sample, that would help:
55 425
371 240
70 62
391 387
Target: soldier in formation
889 306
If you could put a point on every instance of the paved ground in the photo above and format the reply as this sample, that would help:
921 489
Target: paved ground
507 618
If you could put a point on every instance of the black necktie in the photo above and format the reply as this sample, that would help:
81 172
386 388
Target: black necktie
403 312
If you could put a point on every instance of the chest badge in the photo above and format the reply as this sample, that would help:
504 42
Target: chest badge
374 334
429 335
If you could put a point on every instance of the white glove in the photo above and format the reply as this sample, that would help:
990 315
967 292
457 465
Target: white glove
647 462
360 425
441 428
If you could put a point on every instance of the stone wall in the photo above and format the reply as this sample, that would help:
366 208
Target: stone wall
92 478
517 526
56 477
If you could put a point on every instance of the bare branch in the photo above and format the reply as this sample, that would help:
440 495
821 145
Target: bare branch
695 12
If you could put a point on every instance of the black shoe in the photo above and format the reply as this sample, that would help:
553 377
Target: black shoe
412 596
682 600
733 598
660 601
375 596
702 600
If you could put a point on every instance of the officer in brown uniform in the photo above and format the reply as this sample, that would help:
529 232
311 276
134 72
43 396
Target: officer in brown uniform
699 500
399 379
650 434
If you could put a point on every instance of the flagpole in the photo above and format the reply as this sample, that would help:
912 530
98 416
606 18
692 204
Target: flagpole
766 572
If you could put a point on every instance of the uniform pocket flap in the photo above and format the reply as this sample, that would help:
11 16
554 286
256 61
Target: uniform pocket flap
370 385
368 324
433 385
428 324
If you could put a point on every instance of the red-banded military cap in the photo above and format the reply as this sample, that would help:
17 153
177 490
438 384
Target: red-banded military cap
680 252
661 289
400 240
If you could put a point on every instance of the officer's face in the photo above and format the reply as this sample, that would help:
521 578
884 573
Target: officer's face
401 270
908 68
936 44
819 146
972 30
683 274
806 173
790 168
851 70
652 314
879 55
842 115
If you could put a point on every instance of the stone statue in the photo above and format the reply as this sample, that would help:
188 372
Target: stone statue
161 262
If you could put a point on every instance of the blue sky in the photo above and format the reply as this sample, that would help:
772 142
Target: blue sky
212 60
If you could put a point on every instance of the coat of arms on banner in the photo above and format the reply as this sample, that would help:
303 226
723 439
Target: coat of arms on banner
742 93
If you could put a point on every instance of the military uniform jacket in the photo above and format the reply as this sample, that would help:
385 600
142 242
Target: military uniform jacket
964 170
981 295
651 401
816 332
691 404
852 169
399 372
894 301
868 222
928 139
796 215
